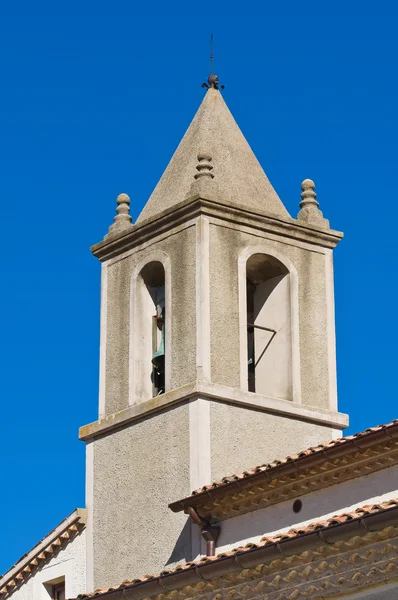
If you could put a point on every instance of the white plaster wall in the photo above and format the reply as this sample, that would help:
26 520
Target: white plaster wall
241 438
346 496
380 592
70 562
141 324
273 352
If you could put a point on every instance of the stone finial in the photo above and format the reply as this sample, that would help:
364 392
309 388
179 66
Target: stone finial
204 178
122 220
310 212
204 167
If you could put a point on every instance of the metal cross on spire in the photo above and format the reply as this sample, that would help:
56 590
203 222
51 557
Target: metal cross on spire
211 53
212 80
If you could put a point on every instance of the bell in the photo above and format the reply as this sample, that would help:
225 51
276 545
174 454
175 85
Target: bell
158 356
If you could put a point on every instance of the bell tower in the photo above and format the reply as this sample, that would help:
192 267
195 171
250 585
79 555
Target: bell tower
217 344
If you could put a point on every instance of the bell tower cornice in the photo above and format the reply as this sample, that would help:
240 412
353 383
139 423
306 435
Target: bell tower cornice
209 392
215 208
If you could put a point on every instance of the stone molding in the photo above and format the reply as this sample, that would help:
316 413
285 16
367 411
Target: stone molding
216 393
213 207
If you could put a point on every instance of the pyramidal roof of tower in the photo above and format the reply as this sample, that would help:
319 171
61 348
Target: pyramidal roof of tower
238 175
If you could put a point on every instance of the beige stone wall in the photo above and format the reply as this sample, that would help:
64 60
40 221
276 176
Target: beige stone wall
117 336
180 251
137 471
226 245
141 466
242 438
224 306
315 373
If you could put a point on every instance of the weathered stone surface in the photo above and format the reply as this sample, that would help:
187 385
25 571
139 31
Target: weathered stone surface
122 220
309 206
211 212
239 176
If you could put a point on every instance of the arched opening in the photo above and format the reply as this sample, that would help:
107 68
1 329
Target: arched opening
269 342
150 332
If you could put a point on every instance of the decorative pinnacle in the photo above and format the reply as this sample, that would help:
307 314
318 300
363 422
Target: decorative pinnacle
308 194
309 205
204 167
122 220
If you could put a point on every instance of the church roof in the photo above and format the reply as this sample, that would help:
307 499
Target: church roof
326 531
344 458
40 554
238 175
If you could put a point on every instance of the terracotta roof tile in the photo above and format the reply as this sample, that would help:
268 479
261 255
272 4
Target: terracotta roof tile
292 534
292 457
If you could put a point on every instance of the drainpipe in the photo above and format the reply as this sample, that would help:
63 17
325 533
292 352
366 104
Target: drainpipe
208 532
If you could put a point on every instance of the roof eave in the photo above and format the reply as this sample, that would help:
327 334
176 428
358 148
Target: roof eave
78 516
347 446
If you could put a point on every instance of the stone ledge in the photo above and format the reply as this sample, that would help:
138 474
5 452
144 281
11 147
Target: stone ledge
214 207
217 393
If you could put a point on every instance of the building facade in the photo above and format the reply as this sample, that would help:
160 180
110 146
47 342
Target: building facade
217 354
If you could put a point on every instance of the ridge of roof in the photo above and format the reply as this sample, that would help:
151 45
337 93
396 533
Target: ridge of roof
228 483
294 534
238 175
49 545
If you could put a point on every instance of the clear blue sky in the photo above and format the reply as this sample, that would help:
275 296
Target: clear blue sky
94 99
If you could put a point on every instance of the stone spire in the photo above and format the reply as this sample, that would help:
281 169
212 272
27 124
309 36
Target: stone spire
310 212
122 220
240 178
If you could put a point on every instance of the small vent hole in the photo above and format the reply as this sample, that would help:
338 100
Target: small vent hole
297 506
